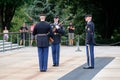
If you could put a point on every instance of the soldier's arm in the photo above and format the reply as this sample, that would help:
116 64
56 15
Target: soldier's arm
61 30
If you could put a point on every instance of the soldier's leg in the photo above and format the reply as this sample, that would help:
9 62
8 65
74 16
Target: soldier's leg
40 58
53 53
57 53
92 54
87 53
45 58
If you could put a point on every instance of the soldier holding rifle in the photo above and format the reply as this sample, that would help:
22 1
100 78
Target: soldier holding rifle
57 32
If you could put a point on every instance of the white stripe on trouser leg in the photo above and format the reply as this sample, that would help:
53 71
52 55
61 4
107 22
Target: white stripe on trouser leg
89 55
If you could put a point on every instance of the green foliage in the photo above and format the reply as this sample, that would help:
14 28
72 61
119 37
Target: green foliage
116 35
64 8
40 6
7 11
64 40
79 21
17 3
18 20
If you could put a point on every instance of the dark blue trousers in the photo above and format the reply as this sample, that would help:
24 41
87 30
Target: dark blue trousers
90 54
55 53
43 58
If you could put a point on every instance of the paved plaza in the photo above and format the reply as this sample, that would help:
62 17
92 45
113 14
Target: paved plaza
22 64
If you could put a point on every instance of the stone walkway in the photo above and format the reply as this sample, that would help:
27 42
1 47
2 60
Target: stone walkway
22 64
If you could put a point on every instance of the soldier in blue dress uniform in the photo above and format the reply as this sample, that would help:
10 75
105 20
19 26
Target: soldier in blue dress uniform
57 32
42 30
89 42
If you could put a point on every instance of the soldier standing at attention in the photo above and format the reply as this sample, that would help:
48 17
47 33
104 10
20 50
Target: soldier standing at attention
41 30
89 42
57 32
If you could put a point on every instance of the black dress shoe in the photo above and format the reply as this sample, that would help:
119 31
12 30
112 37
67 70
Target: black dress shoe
55 65
88 67
42 70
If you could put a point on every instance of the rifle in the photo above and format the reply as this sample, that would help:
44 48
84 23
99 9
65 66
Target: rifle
54 29
51 40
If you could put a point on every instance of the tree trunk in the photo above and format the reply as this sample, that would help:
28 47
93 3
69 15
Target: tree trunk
6 14
1 16
9 13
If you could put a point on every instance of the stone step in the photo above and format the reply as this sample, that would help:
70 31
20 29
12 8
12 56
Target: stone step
5 43
8 46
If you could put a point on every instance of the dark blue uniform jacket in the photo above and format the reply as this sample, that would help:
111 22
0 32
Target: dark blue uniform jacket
57 34
42 30
90 33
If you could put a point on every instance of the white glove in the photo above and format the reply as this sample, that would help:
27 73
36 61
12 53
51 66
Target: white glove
57 26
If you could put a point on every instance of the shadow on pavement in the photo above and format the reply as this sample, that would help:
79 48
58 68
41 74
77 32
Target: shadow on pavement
87 74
